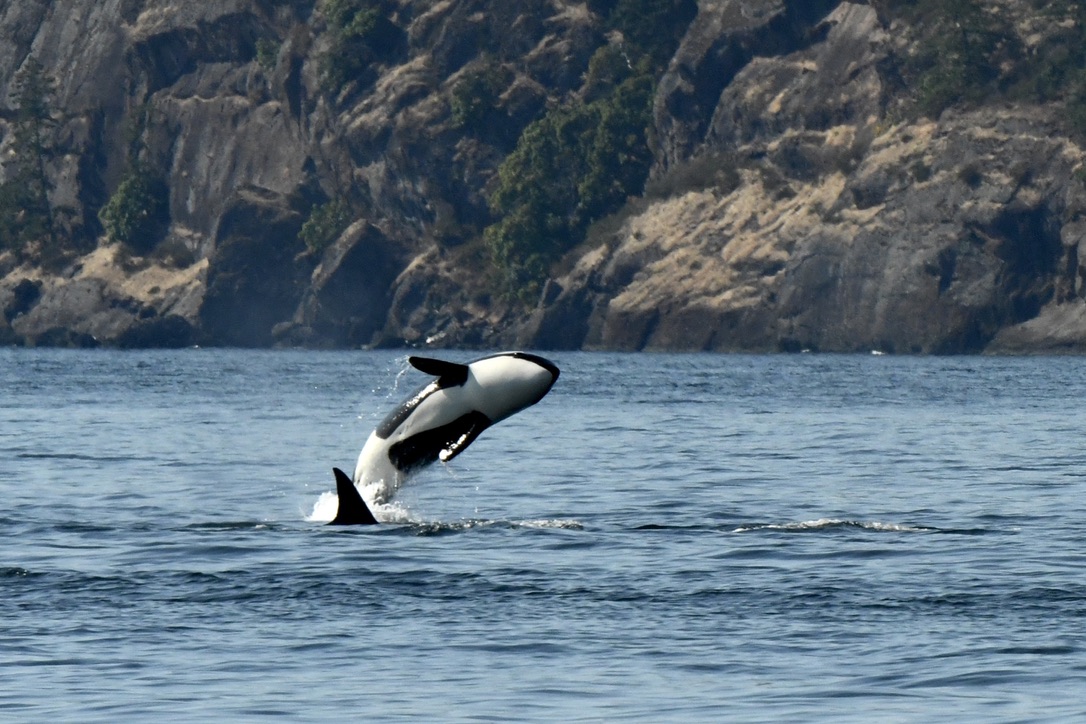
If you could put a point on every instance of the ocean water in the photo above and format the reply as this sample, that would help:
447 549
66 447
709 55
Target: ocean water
662 538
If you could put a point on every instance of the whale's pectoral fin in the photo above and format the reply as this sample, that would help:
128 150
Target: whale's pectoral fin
472 425
352 509
449 374
439 443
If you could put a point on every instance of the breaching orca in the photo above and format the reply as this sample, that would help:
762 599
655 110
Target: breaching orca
440 420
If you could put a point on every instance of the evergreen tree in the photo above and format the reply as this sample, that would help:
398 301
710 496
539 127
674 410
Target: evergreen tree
138 212
25 214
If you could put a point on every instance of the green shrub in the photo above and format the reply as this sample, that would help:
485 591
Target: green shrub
267 53
968 52
360 36
961 53
325 223
608 66
569 168
23 215
522 246
653 26
921 171
970 175
1056 68
138 211
618 155
475 97
965 54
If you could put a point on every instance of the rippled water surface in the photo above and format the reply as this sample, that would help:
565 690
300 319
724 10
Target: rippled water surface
662 538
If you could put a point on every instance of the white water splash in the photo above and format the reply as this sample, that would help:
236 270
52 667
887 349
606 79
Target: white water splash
324 510
326 506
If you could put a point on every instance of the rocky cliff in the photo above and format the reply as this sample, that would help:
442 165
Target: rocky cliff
327 169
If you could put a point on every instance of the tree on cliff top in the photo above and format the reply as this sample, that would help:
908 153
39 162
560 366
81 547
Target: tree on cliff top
138 212
26 217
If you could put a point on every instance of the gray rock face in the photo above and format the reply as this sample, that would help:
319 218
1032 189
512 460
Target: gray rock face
347 300
948 262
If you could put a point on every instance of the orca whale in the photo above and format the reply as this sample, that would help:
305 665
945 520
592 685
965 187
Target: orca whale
440 420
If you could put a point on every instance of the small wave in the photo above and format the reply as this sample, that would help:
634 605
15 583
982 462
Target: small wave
834 524
82 527
325 507
1053 650
677 526
229 525
461 526
392 514
558 523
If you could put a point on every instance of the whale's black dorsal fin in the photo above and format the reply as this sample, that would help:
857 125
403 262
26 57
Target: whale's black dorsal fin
352 509
449 374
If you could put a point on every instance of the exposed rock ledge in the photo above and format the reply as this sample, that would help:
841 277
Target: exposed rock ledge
127 303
